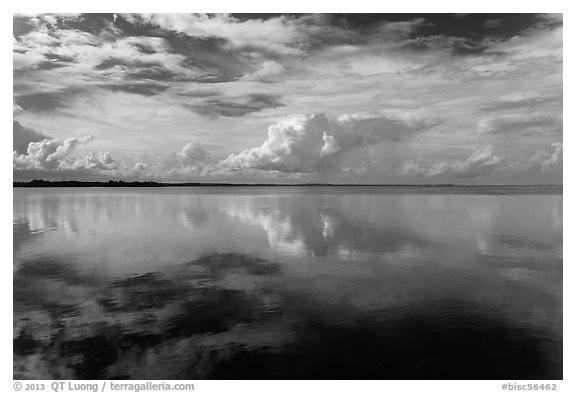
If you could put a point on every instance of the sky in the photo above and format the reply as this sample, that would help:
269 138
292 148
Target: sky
289 98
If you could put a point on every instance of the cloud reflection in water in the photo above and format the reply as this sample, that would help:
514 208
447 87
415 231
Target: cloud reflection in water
183 285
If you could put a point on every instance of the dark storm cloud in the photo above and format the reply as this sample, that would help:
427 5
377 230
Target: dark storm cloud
22 136
227 108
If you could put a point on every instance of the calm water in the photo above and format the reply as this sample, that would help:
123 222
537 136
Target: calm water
283 283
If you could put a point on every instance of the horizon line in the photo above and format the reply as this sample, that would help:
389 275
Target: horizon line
152 183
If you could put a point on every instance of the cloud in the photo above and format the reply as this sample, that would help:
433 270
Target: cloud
542 162
17 109
443 44
191 154
147 56
316 142
555 160
140 166
544 166
141 88
191 160
275 34
222 76
268 71
236 107
481 162
100 161
491 23
525 99
21 25
44 101
22 136
532 47
54 155
104 60
524 123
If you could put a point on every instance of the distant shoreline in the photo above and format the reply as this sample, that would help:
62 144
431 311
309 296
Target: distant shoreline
152 184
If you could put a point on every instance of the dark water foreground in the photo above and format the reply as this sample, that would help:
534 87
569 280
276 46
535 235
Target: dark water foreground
298 283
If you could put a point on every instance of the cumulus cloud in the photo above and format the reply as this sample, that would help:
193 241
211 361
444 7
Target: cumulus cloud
95 161
542 162
191 154
543 166
483 161
17 109
139 166
219 75
22 136
53 155
555 159
316 142
190 161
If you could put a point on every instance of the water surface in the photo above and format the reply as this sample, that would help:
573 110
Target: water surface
287 282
